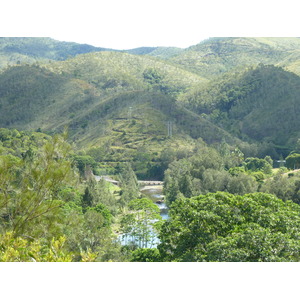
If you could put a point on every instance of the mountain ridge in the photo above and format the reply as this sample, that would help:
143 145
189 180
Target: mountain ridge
94 93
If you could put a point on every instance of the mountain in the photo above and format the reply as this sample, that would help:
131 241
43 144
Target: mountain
219 55
16 50
160 52
242 90
259 104
90 93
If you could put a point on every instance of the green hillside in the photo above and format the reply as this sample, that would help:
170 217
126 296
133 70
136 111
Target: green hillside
127 99
114 71
261 104
218 55
33 97
16 50
93 95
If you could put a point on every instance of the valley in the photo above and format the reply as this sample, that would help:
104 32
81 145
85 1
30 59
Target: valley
213 128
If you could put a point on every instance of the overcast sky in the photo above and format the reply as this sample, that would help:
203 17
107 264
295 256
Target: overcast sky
125 24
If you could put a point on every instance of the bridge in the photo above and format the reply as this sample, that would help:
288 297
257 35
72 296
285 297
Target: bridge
150 182
140 182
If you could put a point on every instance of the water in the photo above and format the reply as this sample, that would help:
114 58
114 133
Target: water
163 210
155 194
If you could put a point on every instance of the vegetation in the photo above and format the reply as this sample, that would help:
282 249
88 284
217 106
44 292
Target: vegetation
139 223
223 227
30 50
216 122
46 210
220 55
249 104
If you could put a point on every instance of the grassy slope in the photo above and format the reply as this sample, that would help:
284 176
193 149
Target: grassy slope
113 69
91 94
218 55
160 52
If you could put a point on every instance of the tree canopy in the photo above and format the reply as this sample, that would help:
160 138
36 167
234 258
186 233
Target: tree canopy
225 227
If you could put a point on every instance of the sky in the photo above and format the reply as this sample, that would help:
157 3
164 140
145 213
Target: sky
126 24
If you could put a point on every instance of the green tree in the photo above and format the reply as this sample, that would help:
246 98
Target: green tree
128 183
21 250
90 231
255 164
139 222
281 186
145 255
242 184
84 161
293 161
226 227
30 202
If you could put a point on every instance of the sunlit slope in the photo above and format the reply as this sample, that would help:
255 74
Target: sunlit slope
138 118
260 104
94 94
218 55
122 71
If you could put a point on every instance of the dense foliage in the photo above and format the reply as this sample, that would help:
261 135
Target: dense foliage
45 207
217 56
225 227
249 104
210 170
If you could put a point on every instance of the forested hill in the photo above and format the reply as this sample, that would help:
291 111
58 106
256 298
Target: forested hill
218 55
238 89
102 96
17 50
258 104
29 50
210 57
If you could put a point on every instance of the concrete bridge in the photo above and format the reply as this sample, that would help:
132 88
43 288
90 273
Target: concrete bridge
150 182
140 182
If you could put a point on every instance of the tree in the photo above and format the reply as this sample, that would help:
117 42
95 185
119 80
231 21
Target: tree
281 186
145 255
139 222
84 161
255 164
242 184
30 202
225 227
128 184
293 161
90 231
21 250
155 79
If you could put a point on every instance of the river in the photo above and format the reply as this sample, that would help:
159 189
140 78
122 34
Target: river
154 191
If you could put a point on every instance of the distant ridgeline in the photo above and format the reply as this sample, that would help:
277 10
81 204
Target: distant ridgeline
243 91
